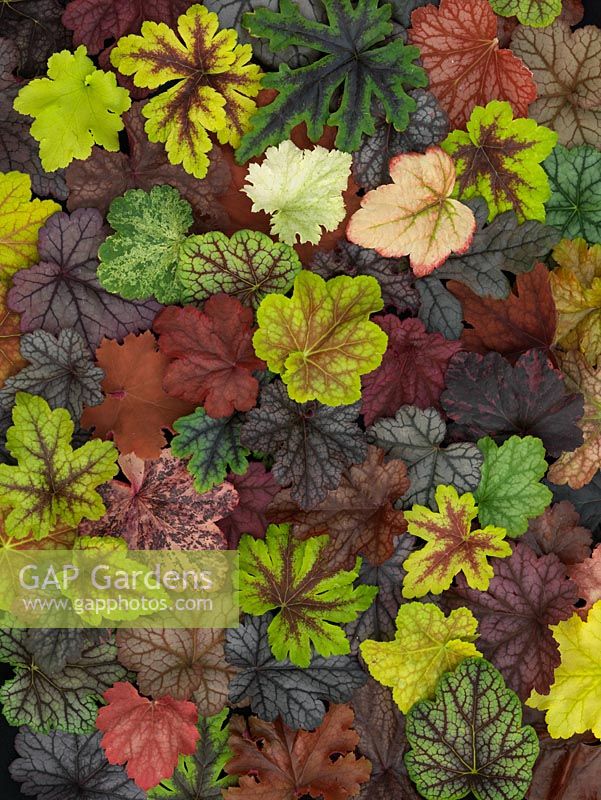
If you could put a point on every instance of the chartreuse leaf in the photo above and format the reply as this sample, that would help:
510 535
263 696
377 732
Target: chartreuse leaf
426 645
573 704
510 491
470 738
75 107
310 596
52 482
451 545
321 340
537 13
499 158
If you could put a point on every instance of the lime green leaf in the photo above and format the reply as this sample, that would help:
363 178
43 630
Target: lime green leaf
321 340
426 645
509 492
536 13
310 596
75 107
52 483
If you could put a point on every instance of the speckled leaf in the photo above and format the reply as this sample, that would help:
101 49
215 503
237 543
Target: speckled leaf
575 204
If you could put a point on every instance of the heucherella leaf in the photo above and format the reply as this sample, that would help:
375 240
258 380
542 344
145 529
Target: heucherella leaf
470 738
426 645
572 704
574 207
310 595
214 85
139 260
356 49
509 492
52 482
451 545
415 214
300 189
537 13
321 340
249 265
75 107
499 159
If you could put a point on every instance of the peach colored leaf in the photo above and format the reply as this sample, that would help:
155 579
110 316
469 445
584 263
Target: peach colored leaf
587 575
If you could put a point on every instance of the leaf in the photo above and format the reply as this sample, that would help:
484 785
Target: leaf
414 215
281 689
212 445
249 266
212 355
439 310
358 516
214 89
147 735
587 500
311 444
53 648
426 645
321 340
35 27
416 435
180 663
526 320
300 189
135 406
20 221
566 769
572 704
568 86
140 259
61 764
11 360
52 482
537 13
357 60
310 594
60 370
558 530
75 107
274 761
412 371
256 489
459 49
64 700
159 509
587 575
52 294
509 492
499 159
486 395
575 204
470 738
451 546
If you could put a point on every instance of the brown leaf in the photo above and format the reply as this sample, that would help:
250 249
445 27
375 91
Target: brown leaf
10 336
567 770
558 531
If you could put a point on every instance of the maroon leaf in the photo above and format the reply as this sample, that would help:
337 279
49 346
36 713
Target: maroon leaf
256 489
558 531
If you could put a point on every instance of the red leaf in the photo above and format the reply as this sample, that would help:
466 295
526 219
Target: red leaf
256 489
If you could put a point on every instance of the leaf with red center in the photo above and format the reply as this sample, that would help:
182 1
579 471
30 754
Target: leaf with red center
213 356
256 489
558 531
587 575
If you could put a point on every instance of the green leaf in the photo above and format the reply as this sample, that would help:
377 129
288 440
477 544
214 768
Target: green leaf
310 596
356 51
52 482
139 260
537 13
574 207
249 265
470 738
212 445
509 493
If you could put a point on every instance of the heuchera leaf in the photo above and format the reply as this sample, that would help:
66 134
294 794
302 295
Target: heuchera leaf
509 492
321 339
35 27
460 51
256 489
53 648
148 735
11 360
575 204
567 81
212 355
52 482
357 60
135 408
414 215
566 769
311 596
587 500
558 531
499 158
274 761
279 688
75 107
470 738
214 85
426 645
300 189
587 575
537 13
451 545
249 265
